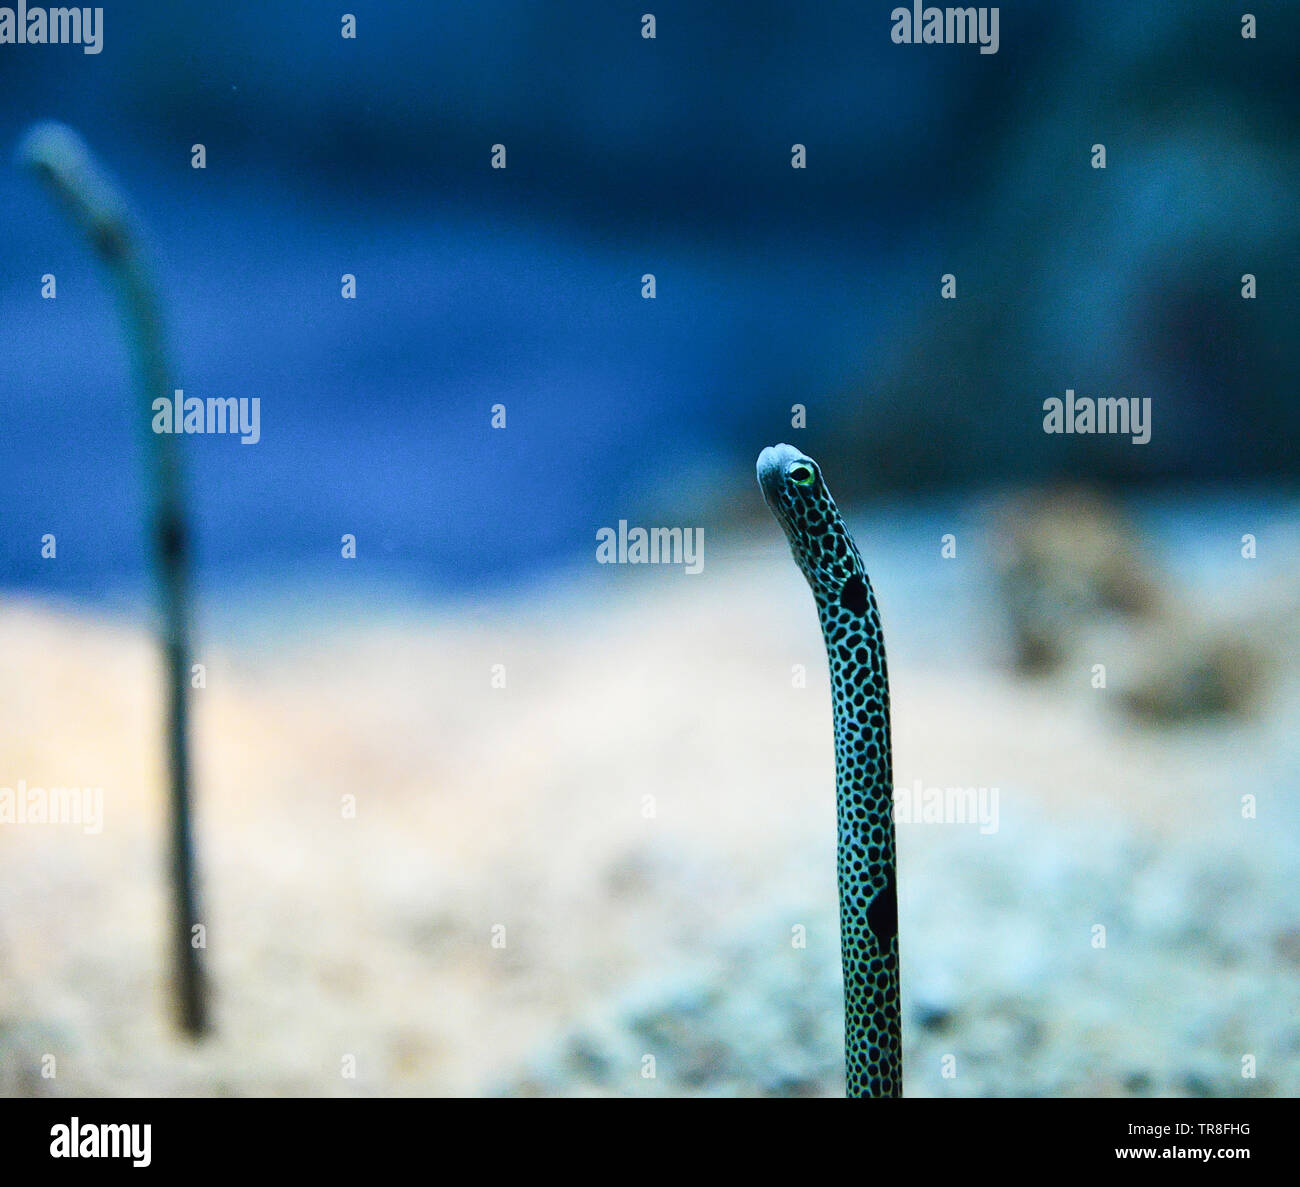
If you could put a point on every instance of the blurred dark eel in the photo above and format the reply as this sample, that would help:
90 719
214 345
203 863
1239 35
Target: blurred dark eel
794 489
61 159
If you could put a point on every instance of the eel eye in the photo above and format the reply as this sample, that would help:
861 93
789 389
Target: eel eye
801 474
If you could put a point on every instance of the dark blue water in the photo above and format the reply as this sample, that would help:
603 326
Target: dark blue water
375 413
522 287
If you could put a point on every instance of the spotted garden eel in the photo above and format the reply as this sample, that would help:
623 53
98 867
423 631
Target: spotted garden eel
824 550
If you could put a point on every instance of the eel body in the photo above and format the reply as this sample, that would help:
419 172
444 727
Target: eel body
825 552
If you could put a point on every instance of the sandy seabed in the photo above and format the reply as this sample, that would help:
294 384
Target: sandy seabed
595 879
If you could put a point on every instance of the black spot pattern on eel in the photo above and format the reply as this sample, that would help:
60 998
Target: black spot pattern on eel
855 648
